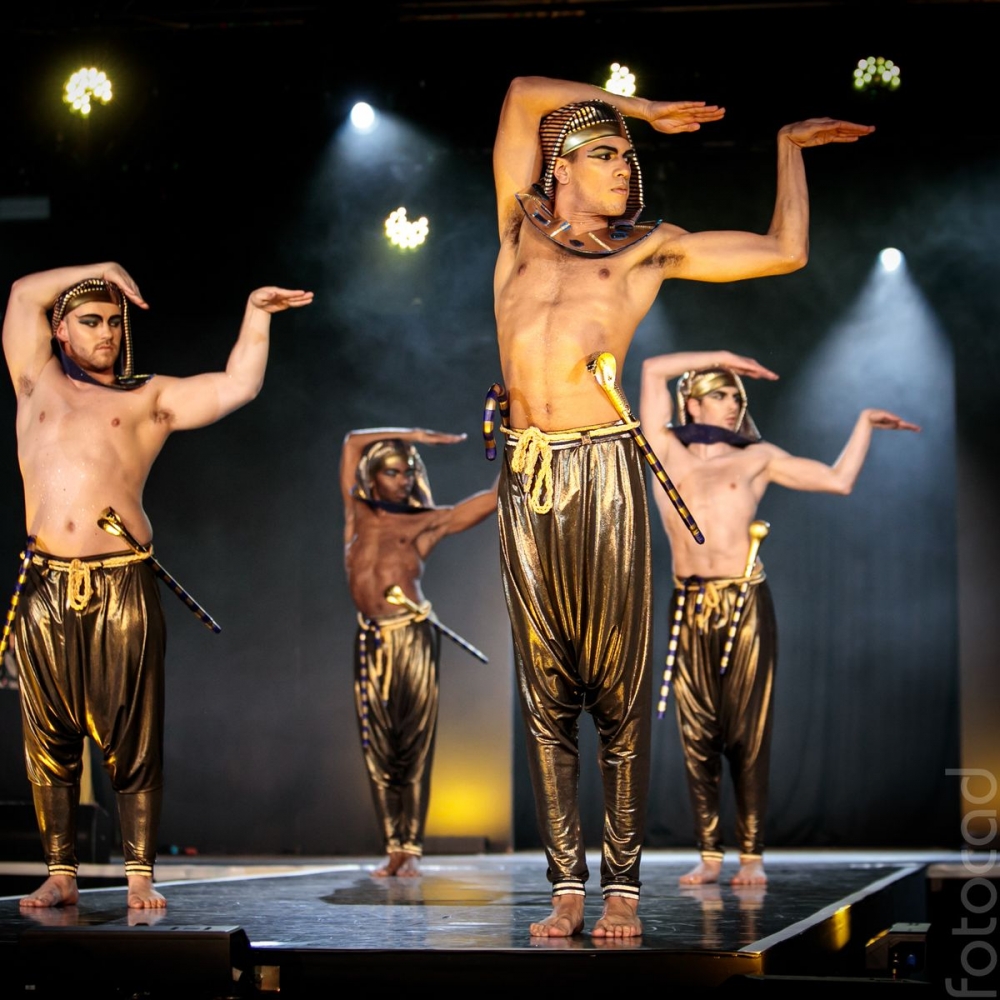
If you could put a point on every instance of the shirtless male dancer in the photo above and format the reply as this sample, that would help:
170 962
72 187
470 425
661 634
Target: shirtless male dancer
721 467
88 431
576 273
391 525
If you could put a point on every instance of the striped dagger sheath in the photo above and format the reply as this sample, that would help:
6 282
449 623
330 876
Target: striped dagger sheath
495 398
15 599
668 669
675 632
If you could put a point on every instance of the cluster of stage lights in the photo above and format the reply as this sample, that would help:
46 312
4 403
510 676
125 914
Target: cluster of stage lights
621 81
84 86
875 71
403 233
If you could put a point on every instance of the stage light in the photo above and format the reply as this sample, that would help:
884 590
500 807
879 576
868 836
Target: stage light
85 84
363 117
876 71
890 259
403 233
621 81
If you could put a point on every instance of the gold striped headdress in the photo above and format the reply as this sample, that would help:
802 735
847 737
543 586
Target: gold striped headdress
571 126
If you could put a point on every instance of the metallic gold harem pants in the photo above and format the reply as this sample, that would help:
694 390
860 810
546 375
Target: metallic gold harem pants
396 696
726 714
577 583
90 650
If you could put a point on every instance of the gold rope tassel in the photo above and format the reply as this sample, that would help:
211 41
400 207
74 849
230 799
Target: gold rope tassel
533 457
709 604
79 588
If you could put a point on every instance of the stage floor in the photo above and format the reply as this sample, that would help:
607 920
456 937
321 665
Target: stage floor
292 928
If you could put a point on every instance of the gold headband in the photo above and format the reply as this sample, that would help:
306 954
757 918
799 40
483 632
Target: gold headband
599 130
702 383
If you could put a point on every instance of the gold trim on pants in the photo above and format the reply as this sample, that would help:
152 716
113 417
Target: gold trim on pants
577 585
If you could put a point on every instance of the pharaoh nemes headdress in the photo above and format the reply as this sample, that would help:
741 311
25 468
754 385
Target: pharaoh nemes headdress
572 126
99 290
695 384
560 132
374 457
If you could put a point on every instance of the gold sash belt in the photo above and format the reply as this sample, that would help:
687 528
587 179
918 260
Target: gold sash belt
389 622
532 456
710 594
79 588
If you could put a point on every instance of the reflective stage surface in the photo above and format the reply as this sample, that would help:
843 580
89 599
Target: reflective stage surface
269 927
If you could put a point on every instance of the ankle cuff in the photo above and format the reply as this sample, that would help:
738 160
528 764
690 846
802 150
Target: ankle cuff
568 887
624 889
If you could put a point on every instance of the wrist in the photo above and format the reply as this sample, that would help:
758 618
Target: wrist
644 109
786 138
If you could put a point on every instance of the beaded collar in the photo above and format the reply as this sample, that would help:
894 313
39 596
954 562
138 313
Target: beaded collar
597 243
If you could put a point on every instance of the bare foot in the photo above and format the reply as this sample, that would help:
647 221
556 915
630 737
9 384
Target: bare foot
565 920
751 871
620 919
704 872
56 890
400 864
142 895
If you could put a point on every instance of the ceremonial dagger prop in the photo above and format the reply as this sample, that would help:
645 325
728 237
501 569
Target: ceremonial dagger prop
758 532
112 523
604 367
394 595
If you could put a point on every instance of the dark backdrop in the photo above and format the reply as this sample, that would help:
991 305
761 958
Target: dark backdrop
223 164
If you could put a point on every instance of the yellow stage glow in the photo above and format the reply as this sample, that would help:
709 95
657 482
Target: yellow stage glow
835 933
876 71
463 808
403 233
84 85
621 81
